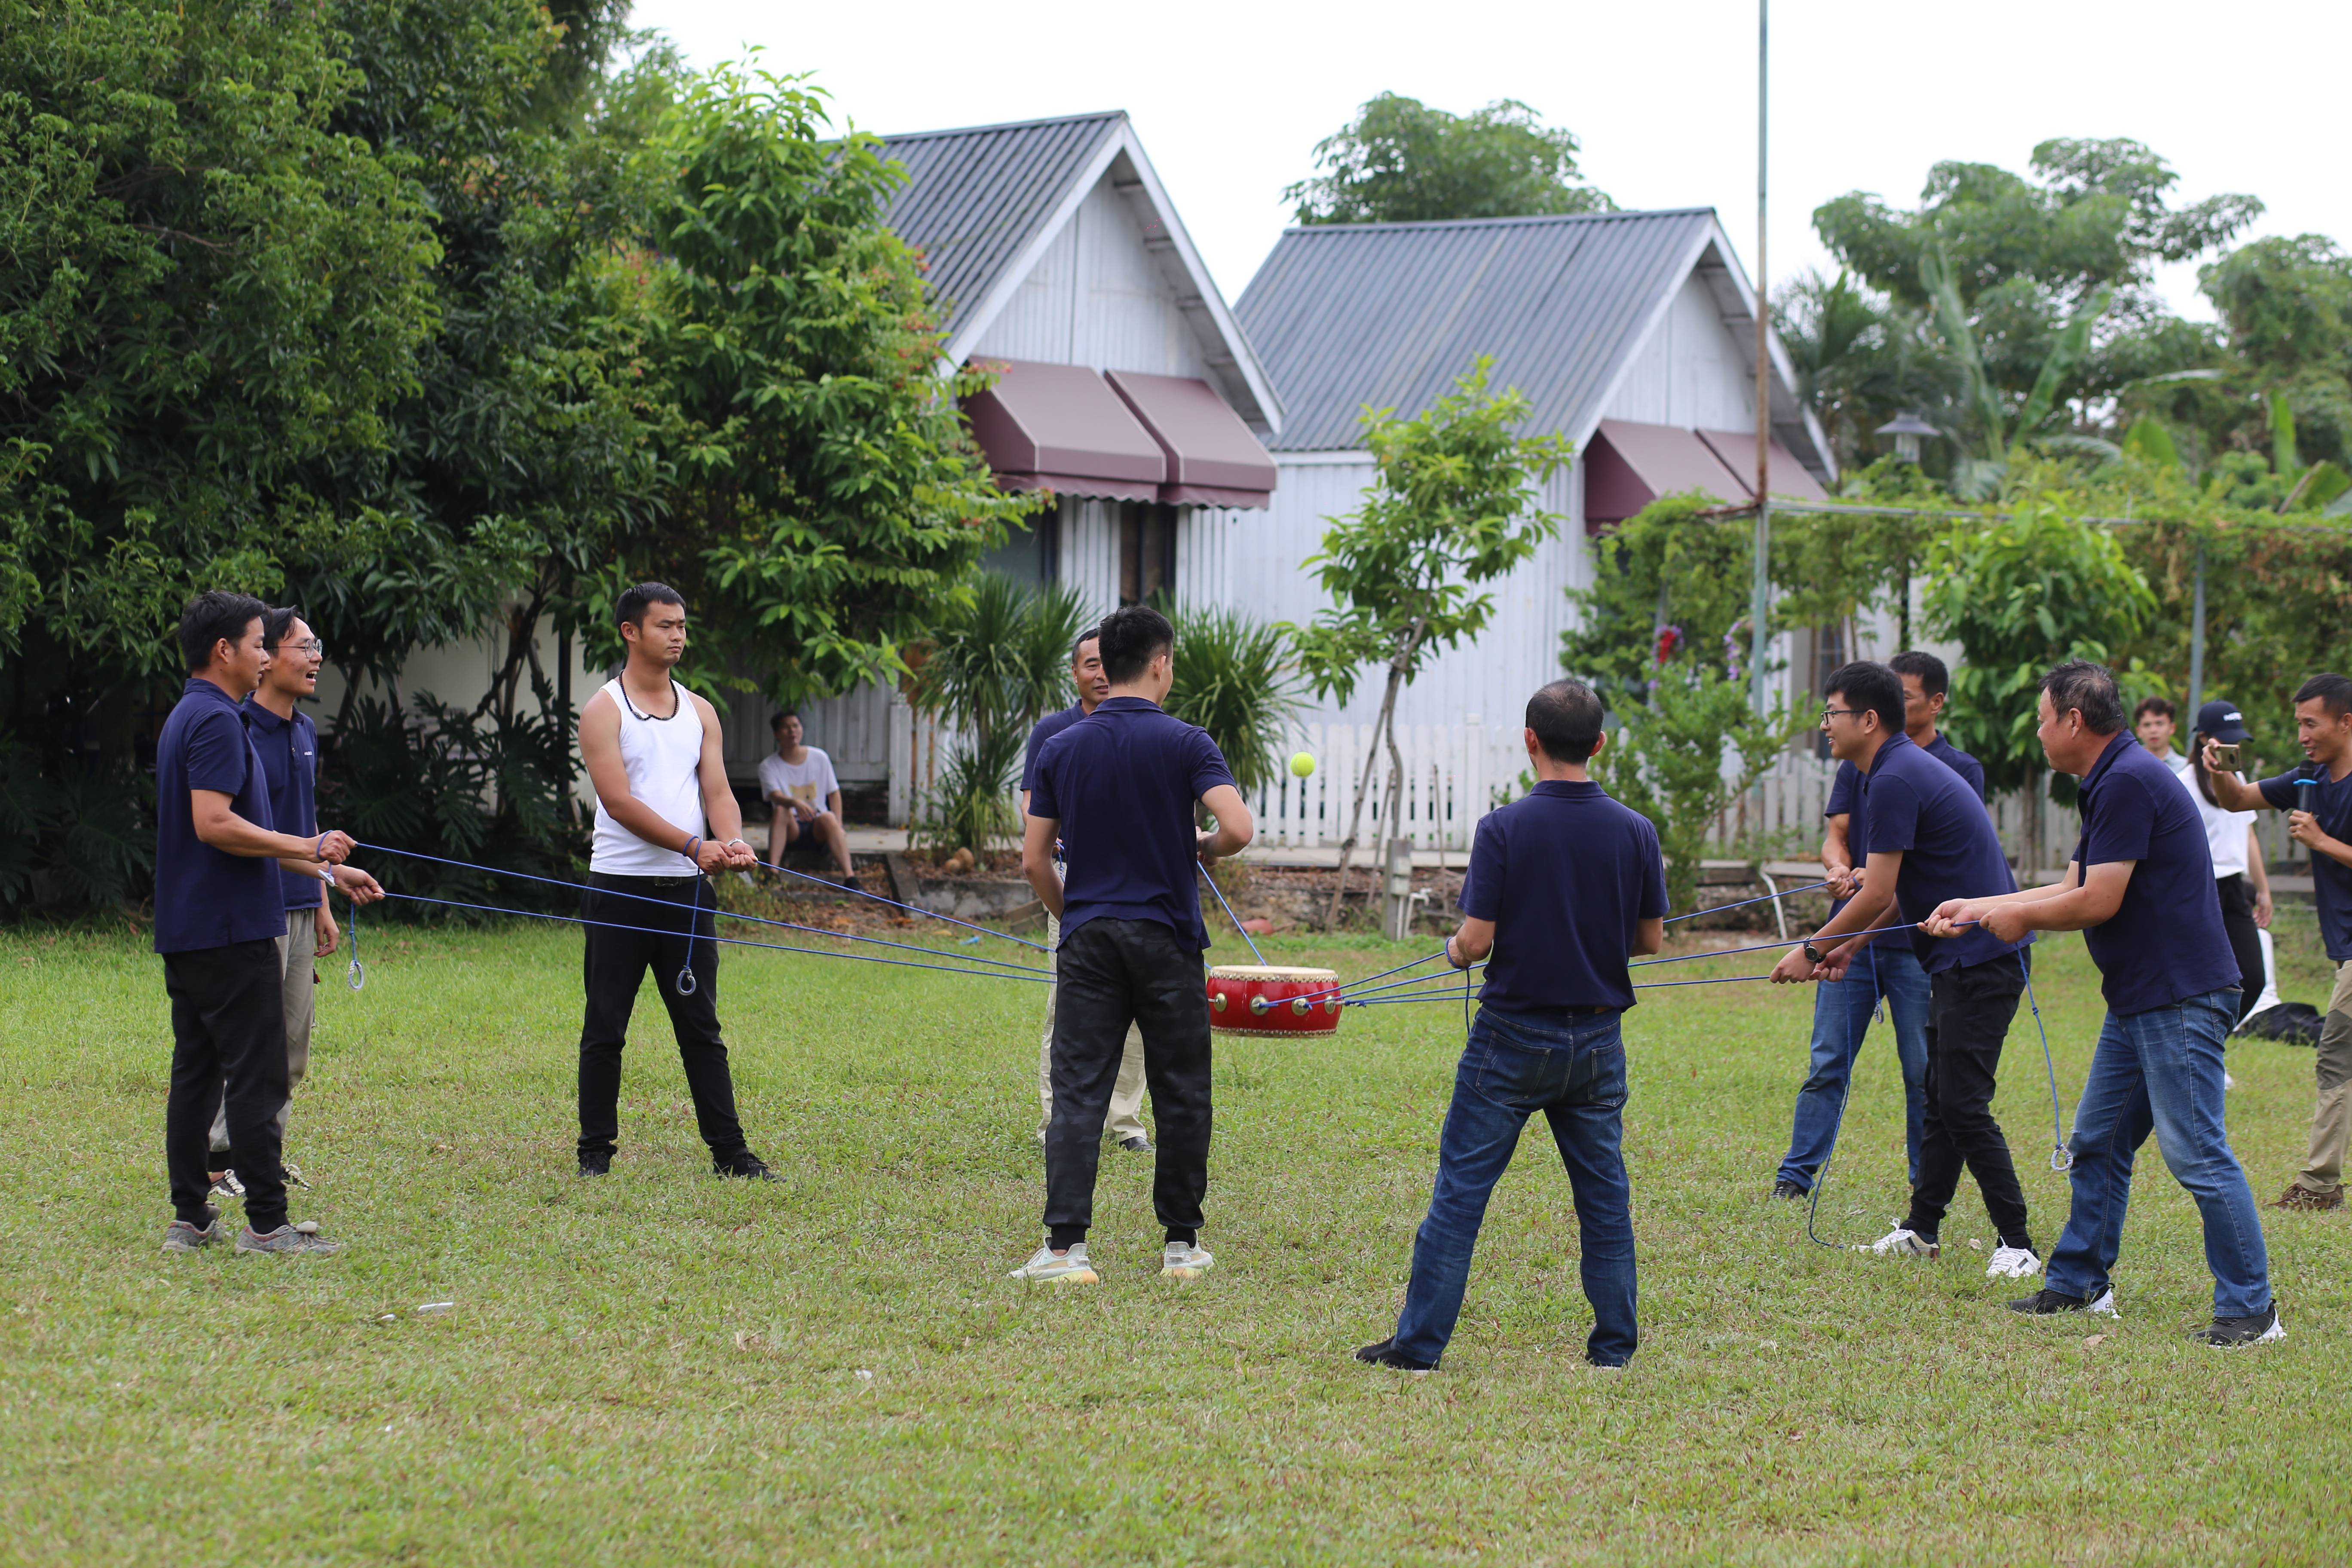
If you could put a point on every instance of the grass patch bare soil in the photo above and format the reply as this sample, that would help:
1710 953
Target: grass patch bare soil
663 1367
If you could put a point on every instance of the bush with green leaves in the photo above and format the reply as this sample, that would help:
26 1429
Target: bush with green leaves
1236 677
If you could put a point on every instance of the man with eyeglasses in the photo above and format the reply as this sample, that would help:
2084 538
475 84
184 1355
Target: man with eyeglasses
1928 841
286 741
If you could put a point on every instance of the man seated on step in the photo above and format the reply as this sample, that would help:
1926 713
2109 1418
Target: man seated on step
1930 840
804 797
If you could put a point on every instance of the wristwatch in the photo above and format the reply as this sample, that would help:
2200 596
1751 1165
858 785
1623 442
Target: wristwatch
1815 954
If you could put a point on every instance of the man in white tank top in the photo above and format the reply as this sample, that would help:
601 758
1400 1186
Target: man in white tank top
665 820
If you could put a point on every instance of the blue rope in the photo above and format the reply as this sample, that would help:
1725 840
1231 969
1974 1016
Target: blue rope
2061 1157
1035 975
910 908
1356 985
1768 898
1761 946
1232 917
722 914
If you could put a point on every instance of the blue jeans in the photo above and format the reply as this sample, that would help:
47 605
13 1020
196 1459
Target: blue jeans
1574 1072
2161 1070
1842 1010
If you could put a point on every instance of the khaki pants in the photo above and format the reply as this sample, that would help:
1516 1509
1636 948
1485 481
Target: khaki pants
2331 1118
1122 1121
300 991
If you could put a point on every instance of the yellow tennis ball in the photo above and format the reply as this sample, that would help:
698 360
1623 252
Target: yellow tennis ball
1302 764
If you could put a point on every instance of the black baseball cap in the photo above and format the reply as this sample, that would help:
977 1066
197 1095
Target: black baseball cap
2221 721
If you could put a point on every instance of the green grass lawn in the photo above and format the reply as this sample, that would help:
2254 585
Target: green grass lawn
662 1367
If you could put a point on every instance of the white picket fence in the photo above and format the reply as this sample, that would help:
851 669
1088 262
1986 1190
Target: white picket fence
1451 773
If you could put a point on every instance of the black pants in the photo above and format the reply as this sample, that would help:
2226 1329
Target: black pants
1110 974
2237 895
614 964
1968 1013
228 1023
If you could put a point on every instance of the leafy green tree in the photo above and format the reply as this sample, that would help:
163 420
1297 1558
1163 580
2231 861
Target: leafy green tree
1685 754
1399 161
1453 506
1236 678
2024 261
2020 594
1001 657
1860 359
826 496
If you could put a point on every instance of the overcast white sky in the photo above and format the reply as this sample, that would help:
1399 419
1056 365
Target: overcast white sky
1230 98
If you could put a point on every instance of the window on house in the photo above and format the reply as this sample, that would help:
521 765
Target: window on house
1146 551
1031 550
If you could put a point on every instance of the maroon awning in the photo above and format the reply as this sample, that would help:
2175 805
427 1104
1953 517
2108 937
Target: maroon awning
1213 457
1060 427
1782 472
1627 466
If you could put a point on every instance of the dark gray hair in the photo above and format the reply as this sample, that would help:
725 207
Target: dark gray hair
2079 686
1567 718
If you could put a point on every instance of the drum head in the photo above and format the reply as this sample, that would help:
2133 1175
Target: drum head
1268 972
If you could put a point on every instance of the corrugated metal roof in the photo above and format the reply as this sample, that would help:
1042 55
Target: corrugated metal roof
1388 315
976 198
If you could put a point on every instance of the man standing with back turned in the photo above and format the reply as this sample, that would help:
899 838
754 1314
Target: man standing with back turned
220 924
2141 889
652 752
1562 885
1119 788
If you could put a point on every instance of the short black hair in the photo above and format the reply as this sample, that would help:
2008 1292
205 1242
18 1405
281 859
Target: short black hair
776 719
2336 690
1079 643
1567 718
1869 689
212 618
1933 679
1132 636
636 602
2162 706
278 624
2090 689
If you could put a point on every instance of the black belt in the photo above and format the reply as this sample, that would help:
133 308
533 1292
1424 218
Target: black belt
1563 1012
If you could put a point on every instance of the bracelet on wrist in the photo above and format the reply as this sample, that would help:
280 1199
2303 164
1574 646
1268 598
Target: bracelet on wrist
692 840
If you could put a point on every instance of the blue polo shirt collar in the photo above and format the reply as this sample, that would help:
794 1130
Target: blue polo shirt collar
2108 757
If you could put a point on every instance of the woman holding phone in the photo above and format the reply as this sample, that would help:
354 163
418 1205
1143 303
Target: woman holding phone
2239 874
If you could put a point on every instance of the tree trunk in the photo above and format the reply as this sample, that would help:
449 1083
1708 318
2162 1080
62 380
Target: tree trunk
1399 662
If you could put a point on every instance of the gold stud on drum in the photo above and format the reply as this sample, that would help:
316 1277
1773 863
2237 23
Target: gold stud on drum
1218 1002
1260 1006
1299 1005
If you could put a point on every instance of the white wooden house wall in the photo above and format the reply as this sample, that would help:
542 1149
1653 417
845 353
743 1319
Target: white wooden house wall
1097 298
1688 371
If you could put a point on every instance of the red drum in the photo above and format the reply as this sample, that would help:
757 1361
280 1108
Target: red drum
1251 999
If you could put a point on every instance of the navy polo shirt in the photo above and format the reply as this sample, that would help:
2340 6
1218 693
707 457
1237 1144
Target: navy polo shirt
1921 808
1567 875
289 749
1051 725
2331 880
1845 800
2165 941
1122 782
206 897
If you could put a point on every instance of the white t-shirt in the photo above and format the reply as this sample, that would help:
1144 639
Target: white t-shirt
809 780
2225 831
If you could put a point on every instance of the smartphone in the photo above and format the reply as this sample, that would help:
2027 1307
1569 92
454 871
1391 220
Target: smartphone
2225 755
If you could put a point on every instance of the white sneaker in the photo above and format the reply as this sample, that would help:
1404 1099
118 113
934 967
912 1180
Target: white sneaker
2105 1305
2227 1081
2013 1263
1054 1267
1178 1261
1902 1242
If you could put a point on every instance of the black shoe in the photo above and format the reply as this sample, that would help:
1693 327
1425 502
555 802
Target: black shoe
1785 1188
1385 1353
747 1167
2228 1334
1139 1144
2048 1303
596 1164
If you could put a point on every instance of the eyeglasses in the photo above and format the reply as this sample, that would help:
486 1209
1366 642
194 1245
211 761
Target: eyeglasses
1829 713
313 647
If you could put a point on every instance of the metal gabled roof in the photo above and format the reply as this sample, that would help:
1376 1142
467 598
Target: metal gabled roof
977 199
1346 316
